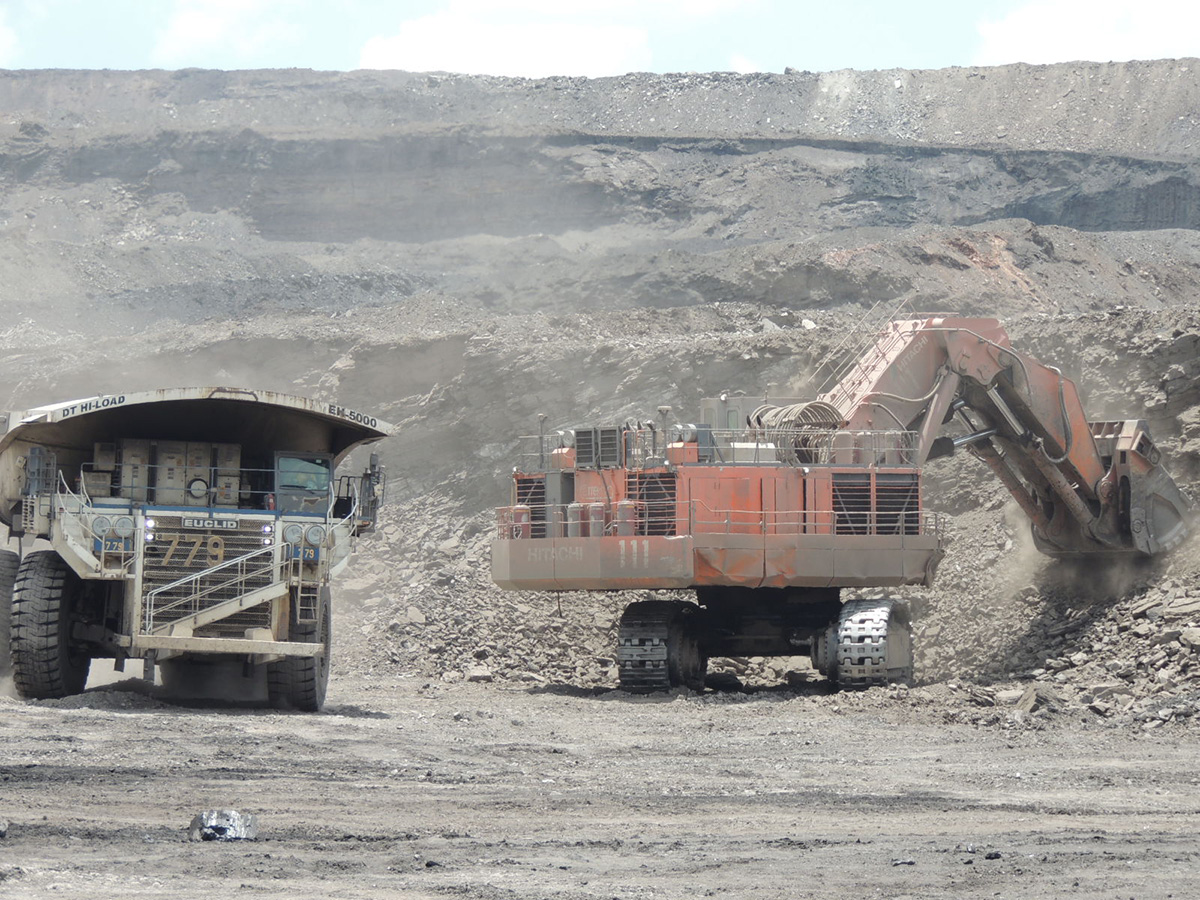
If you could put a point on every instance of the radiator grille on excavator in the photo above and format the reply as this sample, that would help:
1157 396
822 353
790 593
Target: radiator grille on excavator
897 503
531 492
655 493
887 503
852 503
598 448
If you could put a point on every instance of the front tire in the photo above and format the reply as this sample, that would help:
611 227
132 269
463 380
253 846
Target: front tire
300 682
46 664
9 563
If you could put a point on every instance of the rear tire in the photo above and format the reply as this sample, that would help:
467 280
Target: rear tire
9 563
300 682
46 664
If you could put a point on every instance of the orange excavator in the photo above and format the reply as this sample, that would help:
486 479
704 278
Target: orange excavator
768 510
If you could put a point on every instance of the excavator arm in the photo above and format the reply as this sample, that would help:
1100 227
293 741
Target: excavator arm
1087 487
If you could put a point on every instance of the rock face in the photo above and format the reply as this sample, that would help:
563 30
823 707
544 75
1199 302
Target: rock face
460 255
193 195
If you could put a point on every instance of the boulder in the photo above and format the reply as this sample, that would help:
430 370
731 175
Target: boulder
223 825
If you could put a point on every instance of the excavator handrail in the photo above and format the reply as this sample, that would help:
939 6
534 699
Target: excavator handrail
519 521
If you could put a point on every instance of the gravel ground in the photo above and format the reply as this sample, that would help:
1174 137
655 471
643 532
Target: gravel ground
414 788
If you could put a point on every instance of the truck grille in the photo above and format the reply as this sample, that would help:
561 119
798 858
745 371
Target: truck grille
177 552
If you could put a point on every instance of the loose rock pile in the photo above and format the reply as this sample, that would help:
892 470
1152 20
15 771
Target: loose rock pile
433 611
1118 642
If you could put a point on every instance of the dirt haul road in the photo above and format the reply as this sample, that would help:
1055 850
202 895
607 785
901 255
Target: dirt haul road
405 788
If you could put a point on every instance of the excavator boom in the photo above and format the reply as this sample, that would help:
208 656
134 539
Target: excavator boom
1087 487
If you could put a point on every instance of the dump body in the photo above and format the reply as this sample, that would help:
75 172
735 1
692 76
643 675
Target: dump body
185 524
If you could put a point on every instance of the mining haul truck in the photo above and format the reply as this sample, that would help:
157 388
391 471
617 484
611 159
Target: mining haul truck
768 510
185 527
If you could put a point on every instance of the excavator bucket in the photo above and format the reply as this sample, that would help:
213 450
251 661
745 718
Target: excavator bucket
1159 514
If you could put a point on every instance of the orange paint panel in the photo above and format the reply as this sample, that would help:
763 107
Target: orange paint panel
805 561
599 485
819 502
779 563
715 565
562 458
725 501
681 453
870 562
768 503
614 563
589 486
729 559
788 492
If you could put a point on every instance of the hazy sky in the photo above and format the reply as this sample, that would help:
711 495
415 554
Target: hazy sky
587 37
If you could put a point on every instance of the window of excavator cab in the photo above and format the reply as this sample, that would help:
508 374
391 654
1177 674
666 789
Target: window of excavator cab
308 473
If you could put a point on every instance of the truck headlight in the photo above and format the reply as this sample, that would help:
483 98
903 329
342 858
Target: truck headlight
315 535
293 532
123 526
101 525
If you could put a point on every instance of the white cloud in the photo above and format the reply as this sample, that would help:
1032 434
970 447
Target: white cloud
739 63
1047 31
535 38
8 42
581 9
455 41
223 32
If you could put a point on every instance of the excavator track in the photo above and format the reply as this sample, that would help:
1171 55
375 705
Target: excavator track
657 647
870 645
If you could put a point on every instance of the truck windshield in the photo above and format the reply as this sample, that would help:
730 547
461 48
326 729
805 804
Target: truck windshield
307 473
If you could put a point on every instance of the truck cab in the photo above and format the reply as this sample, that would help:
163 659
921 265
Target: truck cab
303 483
